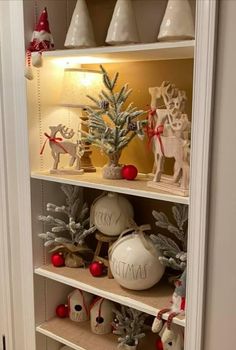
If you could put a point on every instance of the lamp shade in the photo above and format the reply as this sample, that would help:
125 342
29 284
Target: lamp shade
77 84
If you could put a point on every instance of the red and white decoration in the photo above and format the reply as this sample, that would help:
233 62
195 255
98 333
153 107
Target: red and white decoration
79 305
101 316
41 40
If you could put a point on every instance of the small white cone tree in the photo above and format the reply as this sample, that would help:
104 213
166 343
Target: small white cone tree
80 33
177 23
123 27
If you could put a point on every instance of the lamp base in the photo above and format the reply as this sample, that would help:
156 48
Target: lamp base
86 163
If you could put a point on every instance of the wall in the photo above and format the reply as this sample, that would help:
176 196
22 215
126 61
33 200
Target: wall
221 277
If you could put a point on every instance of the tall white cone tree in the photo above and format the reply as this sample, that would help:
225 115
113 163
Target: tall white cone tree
123 28
80 33
177 23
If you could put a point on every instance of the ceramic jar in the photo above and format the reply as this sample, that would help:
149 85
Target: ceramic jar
79 304
177 23
80 33
134 262
123 28
111 213
101 316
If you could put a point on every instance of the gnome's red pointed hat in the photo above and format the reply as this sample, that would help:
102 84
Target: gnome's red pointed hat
43 22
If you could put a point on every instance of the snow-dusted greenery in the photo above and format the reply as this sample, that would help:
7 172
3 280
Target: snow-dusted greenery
173 254
129 326
112 125
75 228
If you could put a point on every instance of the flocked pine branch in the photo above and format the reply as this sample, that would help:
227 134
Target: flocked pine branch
174 253
112 125
74 228
129 326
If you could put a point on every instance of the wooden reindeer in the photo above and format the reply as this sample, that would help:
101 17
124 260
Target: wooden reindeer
58 147
169 131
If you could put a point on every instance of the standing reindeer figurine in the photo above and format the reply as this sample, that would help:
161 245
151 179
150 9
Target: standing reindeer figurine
169 131
58 147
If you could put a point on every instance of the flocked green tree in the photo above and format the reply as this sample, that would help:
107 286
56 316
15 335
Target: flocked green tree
111 123
173 252
129 326
68 234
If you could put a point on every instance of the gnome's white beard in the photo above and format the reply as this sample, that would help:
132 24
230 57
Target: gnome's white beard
41 36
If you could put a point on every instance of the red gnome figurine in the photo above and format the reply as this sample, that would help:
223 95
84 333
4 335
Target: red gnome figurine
41 40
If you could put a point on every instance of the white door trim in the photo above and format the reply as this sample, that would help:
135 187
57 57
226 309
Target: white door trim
206 22
16 120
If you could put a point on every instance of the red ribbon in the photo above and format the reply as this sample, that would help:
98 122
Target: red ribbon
153 130
56 140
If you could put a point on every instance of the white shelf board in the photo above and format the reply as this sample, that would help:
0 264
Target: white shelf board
79 336
128 53
150 301
94 180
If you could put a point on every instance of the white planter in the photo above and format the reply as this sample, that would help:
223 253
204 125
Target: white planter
177 23
101 316
79 305
123 28
129 347
80 33
134 262
111 214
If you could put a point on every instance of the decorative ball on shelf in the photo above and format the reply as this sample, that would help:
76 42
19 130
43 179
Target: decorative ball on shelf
129 172
134 260
57 259
96 268
111 213
62 310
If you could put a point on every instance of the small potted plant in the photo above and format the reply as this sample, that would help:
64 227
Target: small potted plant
111 124
68 236
129 326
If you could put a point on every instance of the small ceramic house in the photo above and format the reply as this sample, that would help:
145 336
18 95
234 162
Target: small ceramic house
101 316
79 305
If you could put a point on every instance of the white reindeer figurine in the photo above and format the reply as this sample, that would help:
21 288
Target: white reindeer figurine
58 147
169 131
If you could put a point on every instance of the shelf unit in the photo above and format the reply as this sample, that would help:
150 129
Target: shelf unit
15 102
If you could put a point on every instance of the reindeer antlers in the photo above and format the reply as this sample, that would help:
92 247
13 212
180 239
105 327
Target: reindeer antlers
66 132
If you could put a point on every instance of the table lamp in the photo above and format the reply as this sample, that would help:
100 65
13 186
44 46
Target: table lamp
77 84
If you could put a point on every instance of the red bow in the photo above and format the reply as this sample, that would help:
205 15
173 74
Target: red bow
152 130
56 140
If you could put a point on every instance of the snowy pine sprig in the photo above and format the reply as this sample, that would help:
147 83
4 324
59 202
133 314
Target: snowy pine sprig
174 253
129 326
74 228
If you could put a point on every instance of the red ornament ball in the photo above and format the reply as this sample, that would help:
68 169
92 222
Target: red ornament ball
129 172
62 311
159 344
96 268
57 259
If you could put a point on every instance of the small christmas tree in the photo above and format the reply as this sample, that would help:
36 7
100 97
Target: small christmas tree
173 255
129 326
112 125
68 235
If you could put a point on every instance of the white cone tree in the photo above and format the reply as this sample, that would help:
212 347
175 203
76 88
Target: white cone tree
80 33
177 23
123 27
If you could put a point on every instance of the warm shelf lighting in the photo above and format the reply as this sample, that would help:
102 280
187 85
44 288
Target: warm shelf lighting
77 84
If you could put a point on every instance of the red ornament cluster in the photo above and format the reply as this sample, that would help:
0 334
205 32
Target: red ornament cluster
57 259
129 172
96 268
